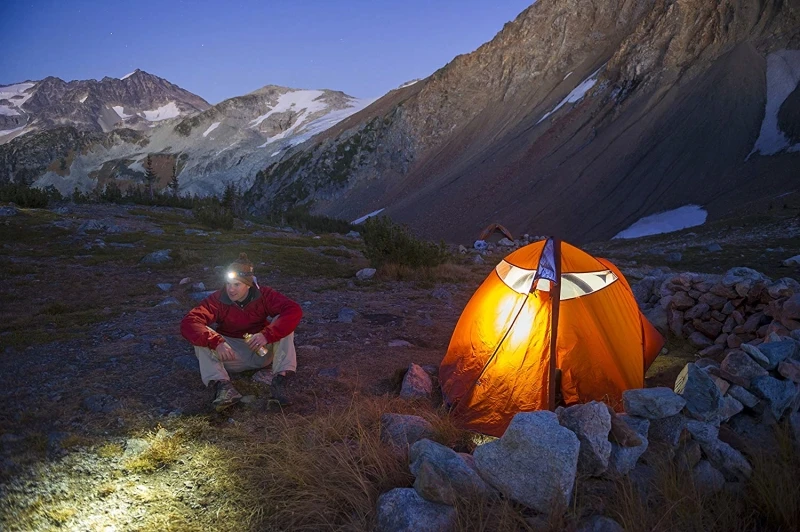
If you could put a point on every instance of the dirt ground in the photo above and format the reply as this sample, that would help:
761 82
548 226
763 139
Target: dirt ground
92 358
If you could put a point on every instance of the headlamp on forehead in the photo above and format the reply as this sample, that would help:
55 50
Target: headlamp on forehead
232 274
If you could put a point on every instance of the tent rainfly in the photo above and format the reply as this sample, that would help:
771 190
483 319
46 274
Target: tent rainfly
549 312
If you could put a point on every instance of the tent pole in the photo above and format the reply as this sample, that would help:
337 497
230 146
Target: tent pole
556 299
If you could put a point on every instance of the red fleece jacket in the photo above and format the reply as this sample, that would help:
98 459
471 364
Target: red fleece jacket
234 322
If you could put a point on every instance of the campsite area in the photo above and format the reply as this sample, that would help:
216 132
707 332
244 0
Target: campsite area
105 424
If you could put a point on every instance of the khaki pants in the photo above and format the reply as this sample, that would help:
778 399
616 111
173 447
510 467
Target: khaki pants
281 355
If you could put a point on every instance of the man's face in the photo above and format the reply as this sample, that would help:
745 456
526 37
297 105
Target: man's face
236 289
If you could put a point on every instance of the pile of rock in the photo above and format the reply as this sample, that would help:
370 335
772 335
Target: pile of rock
717 313
717 415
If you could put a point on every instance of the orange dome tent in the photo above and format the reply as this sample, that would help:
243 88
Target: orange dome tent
521 328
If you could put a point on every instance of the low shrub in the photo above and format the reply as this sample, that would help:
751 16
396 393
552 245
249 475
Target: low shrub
214 216
390 243
300 218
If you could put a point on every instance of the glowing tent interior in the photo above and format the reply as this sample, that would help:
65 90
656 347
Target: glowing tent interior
521 330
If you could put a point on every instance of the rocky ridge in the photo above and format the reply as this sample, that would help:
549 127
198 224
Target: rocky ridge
210 147
135 101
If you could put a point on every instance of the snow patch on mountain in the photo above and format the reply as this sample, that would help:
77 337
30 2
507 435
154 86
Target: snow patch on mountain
783 75
126 76
164 112
10 131
666 222
366 216
84 98
120 111
302 99
16 93
301 130
8 111
329 120
211 128
576 94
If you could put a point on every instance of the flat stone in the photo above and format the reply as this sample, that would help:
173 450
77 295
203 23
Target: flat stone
591 422
667 431
730 407
703 398
756 354
790 370
732 464
405 510
442 475
777 392
743 396
777 352
533 463
623 459
652 403
741 365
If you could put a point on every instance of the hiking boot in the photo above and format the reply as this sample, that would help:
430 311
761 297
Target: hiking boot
225 395
277 390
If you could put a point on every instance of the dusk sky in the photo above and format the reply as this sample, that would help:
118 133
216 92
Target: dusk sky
220 49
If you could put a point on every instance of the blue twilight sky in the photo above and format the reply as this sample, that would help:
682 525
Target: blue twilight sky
219 49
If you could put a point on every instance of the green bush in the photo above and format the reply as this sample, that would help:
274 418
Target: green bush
390 243
28 197
300 218
214 216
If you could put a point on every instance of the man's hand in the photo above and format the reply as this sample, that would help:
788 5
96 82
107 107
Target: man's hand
225 352
256 341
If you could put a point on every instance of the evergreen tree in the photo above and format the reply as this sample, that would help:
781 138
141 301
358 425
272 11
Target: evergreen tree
173 183
229 197
150 176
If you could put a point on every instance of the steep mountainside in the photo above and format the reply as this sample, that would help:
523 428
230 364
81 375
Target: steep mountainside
578 118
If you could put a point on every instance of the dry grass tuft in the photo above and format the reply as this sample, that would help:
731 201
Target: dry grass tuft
60 515
110 450
773 488
671 502
164 449
478 514
317 473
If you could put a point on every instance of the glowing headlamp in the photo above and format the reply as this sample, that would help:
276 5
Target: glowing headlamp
233 274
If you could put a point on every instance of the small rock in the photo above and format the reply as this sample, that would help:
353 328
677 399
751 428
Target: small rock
792 261
346 315
157 257
332 373
404 510
365 274
164 287
399 343
417 384
652 403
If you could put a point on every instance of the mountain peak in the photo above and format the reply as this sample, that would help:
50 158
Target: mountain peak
135 72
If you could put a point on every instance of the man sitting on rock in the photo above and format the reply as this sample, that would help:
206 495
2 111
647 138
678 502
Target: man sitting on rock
249 319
